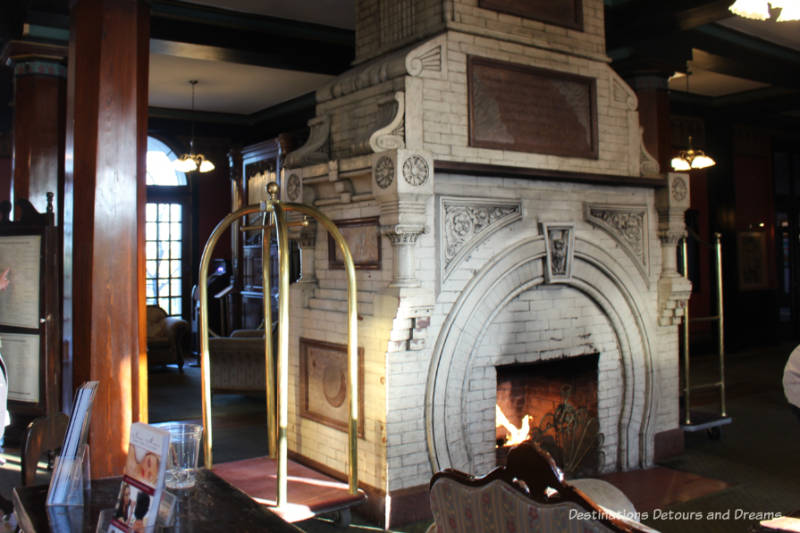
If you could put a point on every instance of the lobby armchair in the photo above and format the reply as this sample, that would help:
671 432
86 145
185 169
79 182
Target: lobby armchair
167 337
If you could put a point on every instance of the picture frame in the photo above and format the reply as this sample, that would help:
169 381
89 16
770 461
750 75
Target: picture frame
363 237
322 394
753 269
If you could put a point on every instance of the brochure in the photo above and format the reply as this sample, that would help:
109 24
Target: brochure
142 484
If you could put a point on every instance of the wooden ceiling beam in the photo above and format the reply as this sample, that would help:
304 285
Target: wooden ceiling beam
199 32
640 21
749 66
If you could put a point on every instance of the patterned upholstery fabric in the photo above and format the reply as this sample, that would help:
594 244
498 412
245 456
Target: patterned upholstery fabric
237 364
497 507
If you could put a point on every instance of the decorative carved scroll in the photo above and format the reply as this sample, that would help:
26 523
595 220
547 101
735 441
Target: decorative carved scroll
393 135
427 60
527 109
316 149
625 224
465 222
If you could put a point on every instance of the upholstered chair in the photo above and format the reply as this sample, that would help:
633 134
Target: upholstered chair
167 338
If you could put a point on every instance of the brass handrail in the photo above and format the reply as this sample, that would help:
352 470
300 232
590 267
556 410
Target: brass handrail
277 389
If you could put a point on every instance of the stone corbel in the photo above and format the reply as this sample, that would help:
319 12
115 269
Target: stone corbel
647 163
674 290
391 136
402 183
316 149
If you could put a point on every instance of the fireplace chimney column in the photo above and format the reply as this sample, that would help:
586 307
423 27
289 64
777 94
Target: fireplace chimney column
402 182
674 290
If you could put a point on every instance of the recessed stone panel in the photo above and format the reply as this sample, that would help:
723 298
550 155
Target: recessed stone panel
527 109
567 13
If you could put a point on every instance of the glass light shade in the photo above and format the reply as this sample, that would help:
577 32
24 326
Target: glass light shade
679 164
790 10
205 164
185 163
701 160
751 9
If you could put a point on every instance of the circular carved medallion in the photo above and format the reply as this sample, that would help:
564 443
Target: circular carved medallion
415 170
334 385
384 172
293 187
679 189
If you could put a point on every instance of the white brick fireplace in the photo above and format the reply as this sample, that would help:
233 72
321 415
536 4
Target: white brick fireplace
475 257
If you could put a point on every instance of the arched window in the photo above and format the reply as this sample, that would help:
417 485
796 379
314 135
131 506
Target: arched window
165 230
159 165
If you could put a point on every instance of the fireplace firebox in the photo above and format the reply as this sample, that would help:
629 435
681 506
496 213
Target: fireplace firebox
555 403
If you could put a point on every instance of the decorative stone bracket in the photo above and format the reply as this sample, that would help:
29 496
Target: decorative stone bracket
316 149
674 290
402 183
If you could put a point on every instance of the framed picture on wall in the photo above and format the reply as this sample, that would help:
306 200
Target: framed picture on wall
752 256
323 384
363 237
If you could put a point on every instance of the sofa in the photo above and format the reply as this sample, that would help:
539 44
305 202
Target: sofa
529 494
237 362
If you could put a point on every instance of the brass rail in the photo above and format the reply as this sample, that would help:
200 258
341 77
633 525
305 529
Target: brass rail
274 216
718 318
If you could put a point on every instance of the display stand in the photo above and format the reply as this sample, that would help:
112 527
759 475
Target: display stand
30 313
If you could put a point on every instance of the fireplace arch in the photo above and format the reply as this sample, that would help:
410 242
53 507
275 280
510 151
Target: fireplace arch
597 274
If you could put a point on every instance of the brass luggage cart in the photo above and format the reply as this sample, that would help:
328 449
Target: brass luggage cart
696 420
272 487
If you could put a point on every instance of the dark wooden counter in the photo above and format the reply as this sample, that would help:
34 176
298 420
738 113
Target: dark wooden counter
213 505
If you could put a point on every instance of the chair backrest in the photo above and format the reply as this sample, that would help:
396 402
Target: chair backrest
156 327
43 434
529 494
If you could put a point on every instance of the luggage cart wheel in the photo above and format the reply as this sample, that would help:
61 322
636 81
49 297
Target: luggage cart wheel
342 518
714 433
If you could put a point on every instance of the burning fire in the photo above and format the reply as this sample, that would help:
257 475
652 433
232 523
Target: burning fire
515 435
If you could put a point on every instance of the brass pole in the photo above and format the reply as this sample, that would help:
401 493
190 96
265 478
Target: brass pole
687 417
205 374
352 337
266 260
279 219
721 325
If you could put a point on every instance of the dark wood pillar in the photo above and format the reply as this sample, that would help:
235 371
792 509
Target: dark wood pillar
652 90
106 140
39 111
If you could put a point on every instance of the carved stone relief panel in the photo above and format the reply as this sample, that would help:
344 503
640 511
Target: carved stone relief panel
559 239
465 222
627 224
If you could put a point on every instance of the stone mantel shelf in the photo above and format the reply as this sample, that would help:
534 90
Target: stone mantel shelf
503 171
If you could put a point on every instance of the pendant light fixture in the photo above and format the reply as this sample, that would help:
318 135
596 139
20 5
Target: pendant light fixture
762 9
691 159
191 161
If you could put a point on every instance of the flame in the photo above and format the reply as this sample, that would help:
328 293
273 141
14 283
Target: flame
515 435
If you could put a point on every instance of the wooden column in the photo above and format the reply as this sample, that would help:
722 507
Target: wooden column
39 110
106 142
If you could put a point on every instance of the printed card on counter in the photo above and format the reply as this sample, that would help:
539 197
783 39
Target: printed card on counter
142 484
